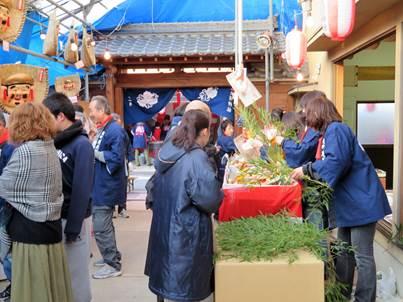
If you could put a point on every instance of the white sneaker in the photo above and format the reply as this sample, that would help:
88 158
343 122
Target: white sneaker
123 214
107 272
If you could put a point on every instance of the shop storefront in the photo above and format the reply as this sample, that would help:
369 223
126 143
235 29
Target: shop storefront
363 76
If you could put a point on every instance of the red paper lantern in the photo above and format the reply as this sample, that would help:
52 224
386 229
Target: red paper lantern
338 18
296 46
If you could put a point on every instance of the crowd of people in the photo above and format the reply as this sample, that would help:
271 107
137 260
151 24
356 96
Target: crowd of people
58 169
180 257
55 175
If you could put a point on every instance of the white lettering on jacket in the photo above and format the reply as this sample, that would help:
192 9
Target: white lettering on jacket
63 157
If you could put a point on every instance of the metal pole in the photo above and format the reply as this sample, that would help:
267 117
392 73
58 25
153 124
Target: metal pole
87 87
38 55
36 22
271 30
78 3
271 48
236 34
46 15
79 10
267 79
240 37
238 40
86 78
70 13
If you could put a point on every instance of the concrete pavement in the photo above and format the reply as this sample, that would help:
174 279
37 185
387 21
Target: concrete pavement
132 240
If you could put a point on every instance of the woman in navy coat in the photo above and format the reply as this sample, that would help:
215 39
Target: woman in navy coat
359 200
185 193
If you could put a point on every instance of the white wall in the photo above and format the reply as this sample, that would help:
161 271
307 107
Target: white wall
318 60
384 55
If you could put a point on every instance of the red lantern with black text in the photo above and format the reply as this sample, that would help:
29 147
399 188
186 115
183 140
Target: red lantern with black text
296 46
338 18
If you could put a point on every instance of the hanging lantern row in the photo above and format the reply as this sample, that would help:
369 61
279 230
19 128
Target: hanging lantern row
338 18
338 23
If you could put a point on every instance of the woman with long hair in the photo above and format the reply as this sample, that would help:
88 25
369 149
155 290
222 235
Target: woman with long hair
186 193
32 184
359 199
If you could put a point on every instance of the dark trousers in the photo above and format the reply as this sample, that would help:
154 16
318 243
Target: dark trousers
104 233
361 238
123 206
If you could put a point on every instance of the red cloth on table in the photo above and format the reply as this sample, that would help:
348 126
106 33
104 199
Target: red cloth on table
254 201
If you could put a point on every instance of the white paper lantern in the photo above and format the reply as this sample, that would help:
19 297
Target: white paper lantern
338 18
296 47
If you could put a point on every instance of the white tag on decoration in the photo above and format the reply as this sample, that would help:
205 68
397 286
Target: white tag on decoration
79 64
41 74
73 99
20 4
6 46
243 87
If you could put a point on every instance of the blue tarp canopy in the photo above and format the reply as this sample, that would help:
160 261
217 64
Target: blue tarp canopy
169 11
152 11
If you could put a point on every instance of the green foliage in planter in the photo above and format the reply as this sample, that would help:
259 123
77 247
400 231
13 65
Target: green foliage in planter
264 238
267 237
316 194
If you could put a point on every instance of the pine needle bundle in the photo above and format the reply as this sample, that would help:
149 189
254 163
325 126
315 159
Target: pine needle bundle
267 237
264 238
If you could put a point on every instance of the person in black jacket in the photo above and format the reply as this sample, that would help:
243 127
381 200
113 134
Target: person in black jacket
77 161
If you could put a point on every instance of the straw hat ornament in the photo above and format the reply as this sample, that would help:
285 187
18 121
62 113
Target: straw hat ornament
22 84
12 19
88 50
71 47
51 43
69 85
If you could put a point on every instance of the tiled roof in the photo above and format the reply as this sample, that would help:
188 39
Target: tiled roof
185 39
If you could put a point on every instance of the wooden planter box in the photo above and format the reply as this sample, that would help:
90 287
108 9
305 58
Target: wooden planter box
276 281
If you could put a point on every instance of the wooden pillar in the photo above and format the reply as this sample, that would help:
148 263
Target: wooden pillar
398 143
339 88
110 85
119 101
